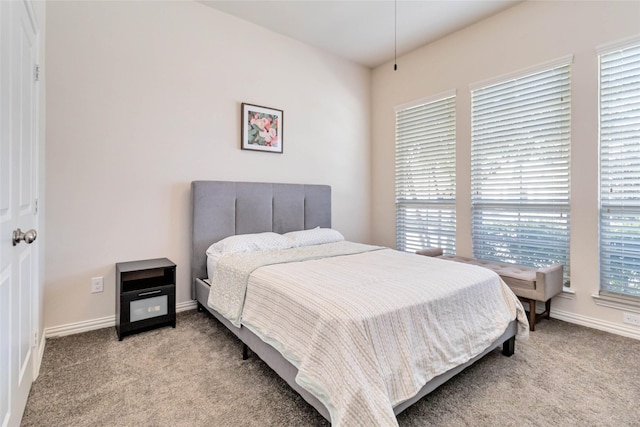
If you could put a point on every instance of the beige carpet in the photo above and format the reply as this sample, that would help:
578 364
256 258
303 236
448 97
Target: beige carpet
194 375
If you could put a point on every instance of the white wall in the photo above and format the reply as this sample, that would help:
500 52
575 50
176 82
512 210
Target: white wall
143 98
527 34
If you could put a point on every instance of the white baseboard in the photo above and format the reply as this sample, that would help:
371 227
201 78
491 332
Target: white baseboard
110 321
602 325
79 327
186 306
102 322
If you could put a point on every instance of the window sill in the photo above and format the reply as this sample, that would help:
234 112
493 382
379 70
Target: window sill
620 303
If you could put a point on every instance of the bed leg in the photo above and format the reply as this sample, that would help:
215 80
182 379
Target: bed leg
245 352
509 347
200 308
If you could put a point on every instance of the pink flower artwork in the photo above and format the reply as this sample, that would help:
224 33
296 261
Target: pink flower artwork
261 128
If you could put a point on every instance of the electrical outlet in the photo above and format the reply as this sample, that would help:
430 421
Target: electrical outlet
632 319
97 284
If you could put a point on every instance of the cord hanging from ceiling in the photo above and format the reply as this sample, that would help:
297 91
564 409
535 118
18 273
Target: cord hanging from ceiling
395 35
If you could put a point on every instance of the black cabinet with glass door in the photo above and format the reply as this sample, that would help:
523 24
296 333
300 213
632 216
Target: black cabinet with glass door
145 295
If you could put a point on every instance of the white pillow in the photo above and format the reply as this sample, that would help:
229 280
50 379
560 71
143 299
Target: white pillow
244 243
249 243
314 236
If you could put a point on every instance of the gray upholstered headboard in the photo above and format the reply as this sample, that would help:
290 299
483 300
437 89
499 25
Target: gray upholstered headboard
223 208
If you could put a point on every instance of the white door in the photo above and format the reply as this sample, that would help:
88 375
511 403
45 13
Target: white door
18 205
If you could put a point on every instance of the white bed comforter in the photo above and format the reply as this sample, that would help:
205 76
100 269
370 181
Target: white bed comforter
368 330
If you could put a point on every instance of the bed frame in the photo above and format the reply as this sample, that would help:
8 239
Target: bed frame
222 209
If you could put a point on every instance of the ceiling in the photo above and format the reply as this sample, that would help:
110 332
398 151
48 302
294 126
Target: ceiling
363 30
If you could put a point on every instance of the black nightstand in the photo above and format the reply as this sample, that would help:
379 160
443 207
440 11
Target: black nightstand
145 295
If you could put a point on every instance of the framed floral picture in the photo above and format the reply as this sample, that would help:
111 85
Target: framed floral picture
261 128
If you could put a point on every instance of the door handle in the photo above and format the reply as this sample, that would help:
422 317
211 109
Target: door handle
28 237
149 293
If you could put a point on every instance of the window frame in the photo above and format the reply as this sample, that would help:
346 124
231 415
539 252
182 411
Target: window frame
516 206
432 220
606 275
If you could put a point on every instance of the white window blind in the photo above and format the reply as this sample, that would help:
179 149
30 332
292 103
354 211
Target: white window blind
520 169
620 171
426 176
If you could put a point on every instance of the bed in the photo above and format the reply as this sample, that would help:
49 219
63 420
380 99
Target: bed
222 209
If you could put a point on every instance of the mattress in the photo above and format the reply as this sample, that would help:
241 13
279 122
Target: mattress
367 330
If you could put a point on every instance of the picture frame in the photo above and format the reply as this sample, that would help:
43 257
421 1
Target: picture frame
261 128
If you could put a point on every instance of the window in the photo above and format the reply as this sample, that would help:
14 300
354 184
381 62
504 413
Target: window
620 171
426 175
520 168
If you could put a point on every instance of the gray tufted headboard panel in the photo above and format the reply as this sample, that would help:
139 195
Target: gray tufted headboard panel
223 208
